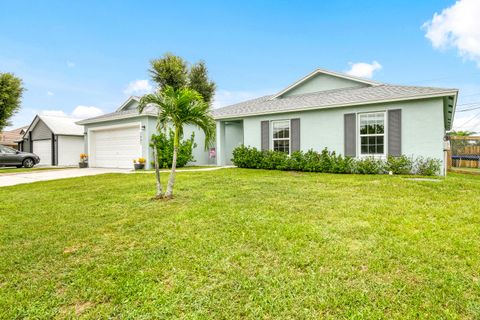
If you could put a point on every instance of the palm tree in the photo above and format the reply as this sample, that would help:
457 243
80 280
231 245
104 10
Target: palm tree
178 108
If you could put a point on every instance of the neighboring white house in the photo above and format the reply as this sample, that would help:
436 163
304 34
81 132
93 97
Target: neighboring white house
56 140
114 140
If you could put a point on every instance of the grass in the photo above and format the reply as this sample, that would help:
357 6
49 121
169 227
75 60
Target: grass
241 244
182 168
4 170
466 170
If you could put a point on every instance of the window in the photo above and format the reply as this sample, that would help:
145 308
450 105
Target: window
281 136
372 133
4 149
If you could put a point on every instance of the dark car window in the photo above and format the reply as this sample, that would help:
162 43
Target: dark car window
4 149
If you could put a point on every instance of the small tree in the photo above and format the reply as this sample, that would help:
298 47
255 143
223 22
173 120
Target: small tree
198 81
171 70
176 109
460 133
11 91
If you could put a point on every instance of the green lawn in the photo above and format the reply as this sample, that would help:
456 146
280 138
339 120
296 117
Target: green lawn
182 168
4 170
242 244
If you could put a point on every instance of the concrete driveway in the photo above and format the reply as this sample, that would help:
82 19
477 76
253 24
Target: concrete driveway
11 179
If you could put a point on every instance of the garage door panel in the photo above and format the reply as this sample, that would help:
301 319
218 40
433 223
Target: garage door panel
43 149
115 148
69 149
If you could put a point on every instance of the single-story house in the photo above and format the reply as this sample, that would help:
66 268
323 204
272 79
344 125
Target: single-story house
11 138
115 139
352 116
56 140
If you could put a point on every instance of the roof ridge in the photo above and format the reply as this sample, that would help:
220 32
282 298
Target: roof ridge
423 87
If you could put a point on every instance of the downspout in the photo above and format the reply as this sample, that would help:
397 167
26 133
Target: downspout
56 150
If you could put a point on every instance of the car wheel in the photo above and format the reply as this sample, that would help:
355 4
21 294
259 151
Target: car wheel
28 163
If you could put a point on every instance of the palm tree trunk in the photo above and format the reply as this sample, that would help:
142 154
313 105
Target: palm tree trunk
157 174
171 179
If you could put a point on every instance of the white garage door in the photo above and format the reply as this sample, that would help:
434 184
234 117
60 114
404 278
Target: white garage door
115 148
69 149
43 149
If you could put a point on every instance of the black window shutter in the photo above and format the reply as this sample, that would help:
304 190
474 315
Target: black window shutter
395 132
295 134
350 137
265 135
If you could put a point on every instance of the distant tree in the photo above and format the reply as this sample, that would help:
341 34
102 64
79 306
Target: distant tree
198 81
461 133
11 91
171 70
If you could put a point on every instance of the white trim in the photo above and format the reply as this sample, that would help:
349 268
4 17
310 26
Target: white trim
327 72
105 128
115 117
385 135
339 105
135 98
289 134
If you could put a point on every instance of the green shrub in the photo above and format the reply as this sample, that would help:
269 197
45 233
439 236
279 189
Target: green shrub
399 165
330 162
272 160
164 145
369 165
427 166
343 165
295 162
245 157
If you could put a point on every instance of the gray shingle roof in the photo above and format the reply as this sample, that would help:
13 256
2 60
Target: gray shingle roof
329 99
149 111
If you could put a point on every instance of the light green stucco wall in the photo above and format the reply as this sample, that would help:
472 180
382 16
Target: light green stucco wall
322 82
422 127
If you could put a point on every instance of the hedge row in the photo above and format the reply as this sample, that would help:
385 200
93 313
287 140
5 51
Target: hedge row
330 162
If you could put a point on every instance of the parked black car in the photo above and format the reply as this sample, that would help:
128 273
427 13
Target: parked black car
12 157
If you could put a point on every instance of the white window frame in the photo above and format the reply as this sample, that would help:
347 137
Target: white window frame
359 136
272 139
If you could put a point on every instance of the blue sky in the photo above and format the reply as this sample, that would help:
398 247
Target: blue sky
94 54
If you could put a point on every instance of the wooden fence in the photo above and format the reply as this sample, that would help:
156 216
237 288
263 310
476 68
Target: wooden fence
465 152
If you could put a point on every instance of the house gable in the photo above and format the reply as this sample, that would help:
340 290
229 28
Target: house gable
322 80
130 104
41 131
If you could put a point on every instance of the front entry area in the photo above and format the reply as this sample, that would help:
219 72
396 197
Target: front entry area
229 136
114 147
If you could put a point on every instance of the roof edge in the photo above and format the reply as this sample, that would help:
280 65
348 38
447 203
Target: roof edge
125 116
414 97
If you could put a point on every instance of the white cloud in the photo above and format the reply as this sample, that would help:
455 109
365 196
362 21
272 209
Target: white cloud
50 93
363 69
225 97
70 64
80 112
55 113
84 112
457 26
138 87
